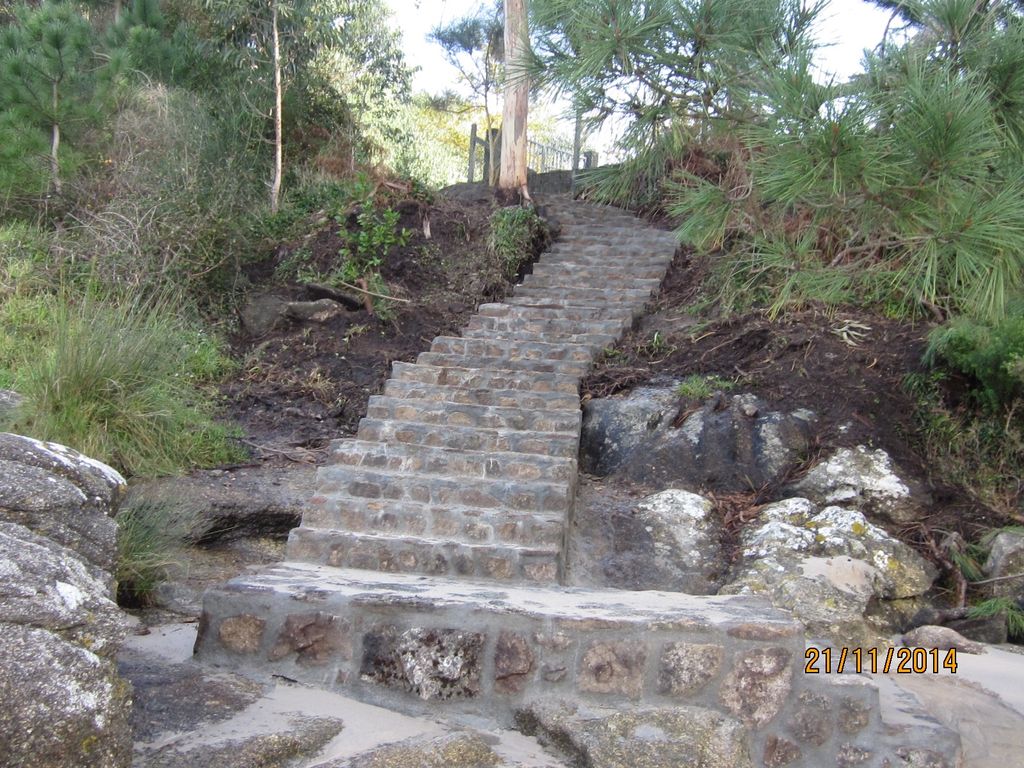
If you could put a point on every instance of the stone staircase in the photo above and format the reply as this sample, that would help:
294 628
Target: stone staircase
428 564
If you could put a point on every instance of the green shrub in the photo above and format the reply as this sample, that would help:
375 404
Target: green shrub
991 354
148 535
517 235
119 383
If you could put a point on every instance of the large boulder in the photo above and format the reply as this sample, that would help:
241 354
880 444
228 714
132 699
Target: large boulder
63 704
728 444
866 479
640 738
844 577
61 494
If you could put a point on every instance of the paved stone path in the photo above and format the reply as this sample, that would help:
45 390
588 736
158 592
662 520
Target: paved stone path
428 564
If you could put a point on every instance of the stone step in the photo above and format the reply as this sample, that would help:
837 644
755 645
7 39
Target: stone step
593 342
504 398
575 295
557 325
464 415
474 378
427 460
591 274
617 253
567 284
446 360
470 525
368 484
433 557
561 444
555 312
517 351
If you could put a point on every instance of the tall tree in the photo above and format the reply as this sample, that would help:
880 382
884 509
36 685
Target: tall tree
517 99
42 57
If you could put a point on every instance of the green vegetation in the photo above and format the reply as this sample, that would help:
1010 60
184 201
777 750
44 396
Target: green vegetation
516 234
148 536
698 387
119 383
1002 605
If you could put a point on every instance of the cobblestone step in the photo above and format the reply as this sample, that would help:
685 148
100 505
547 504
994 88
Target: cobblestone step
556 325
433 557
521 495
446 360
593 342
470 525
475 378
556 311
575 295
584 273
569 284
464 415
504 398
561 444
518 351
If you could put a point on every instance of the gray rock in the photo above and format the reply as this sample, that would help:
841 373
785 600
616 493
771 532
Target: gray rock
63 706
227 506
47 586
461 750
867 480
267 312
642 738
729 444
1006 559
682 551
942 638
614 427
829 567
61 494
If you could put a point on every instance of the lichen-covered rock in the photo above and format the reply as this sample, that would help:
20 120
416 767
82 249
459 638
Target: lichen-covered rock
62 495
47 586
669 540
865 479
830 567
731 443
63 703
641 738
1006 559
63 706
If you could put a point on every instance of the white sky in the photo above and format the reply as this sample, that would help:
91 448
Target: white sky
847 26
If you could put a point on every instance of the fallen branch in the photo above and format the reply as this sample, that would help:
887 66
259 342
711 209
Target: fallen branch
371 293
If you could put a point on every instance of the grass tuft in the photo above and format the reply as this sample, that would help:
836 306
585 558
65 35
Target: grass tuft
149 535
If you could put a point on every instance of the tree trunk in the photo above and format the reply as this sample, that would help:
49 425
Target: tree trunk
55 143
517 98
275 184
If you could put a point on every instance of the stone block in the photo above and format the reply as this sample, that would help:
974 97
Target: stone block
688 667
757 686
613 667
315 638
513 662
431 663
241 634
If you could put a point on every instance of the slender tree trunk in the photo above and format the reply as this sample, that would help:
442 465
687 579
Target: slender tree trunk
55 143
275 184
517 99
